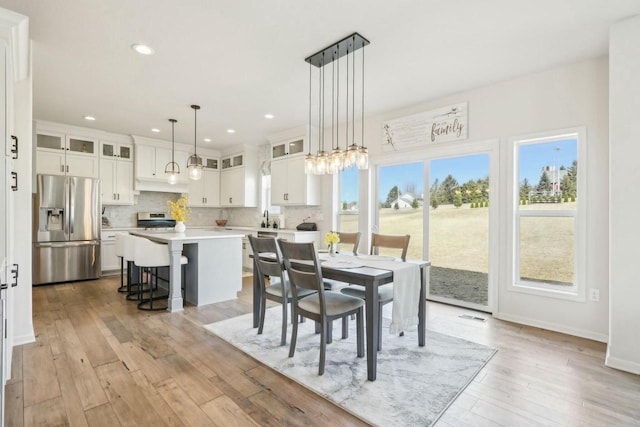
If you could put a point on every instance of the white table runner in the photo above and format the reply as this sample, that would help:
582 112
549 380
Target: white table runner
406 287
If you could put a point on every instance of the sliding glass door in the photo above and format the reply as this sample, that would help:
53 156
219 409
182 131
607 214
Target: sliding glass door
458 231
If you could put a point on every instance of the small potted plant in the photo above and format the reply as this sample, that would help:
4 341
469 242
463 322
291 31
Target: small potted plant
180 212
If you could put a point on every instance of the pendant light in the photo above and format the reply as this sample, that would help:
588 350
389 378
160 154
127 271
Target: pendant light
194 163
353 154
172 169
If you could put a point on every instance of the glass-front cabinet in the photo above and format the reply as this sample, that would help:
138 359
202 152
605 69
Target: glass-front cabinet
233 161
286 148
121 151
58 153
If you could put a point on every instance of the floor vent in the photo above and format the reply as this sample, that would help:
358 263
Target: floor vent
468 316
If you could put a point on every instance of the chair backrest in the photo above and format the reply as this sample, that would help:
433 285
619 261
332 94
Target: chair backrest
350 238
302 265
129 247
390 241
120 243
150 254
266 266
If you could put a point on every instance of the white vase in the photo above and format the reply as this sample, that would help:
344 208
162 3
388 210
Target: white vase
180 227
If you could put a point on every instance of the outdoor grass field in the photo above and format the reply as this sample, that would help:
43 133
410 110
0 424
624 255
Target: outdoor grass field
459 239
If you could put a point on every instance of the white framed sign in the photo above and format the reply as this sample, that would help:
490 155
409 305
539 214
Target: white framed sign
439 125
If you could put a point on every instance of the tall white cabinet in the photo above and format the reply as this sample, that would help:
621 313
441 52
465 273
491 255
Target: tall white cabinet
239 179
205 192
116 172
15 191
290 185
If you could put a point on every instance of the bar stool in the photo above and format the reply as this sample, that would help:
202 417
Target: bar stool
150 256
120 244
128 256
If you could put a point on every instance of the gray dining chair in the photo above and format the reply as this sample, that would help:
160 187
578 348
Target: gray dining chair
385 293
347 241
303 267
279 292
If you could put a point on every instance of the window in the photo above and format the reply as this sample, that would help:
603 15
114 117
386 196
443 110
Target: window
349 194
548 199
266 196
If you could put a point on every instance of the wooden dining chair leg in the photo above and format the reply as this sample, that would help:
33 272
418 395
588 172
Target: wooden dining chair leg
263 307
294 337
283 334
323 345
360 332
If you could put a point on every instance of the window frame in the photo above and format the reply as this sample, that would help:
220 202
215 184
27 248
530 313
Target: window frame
577 292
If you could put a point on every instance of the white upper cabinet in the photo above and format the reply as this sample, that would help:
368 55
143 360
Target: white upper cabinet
60 153
238 179
151 159
289 183
116 173
205 192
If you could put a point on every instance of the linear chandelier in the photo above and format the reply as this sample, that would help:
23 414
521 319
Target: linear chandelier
328 61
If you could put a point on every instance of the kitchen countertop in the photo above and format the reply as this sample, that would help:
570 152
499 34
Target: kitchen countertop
188 235
217 228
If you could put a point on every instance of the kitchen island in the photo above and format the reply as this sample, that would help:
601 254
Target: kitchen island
214 272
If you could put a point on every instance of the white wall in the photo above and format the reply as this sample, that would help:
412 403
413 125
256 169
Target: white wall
624 307
565 97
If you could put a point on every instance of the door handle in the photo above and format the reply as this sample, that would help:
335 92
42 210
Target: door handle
67 168
14 147
14 274
118 196
14 178
72 203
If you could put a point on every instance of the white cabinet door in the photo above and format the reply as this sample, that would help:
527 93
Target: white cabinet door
50 163
108 176
108 258
211 188
232 187
124 182
145 161
297 182
279 182
196 192
79 165
163 156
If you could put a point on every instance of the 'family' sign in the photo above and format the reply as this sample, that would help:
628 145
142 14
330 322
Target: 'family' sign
440 125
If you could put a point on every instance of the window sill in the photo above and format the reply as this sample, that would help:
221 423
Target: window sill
573 293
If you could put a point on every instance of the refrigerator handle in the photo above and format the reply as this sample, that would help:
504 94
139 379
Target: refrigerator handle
72 204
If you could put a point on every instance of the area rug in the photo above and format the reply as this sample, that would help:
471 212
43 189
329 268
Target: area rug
414 385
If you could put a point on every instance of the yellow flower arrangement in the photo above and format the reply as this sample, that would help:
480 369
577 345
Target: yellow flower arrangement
179 210
331 238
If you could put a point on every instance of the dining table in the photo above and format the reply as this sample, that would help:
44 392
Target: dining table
370 278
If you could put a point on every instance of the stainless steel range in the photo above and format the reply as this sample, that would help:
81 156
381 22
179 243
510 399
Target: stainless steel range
155 221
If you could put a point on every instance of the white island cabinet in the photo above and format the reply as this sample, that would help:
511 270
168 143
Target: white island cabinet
214 271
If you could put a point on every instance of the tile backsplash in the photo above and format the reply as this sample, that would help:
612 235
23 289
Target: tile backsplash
147 201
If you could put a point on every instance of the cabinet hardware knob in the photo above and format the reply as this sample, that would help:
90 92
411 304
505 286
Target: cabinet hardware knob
14 147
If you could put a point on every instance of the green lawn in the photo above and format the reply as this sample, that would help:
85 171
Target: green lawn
459 237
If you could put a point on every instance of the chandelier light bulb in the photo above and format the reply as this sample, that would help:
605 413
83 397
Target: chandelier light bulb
363 158
172 178
309 164
322 163
195 173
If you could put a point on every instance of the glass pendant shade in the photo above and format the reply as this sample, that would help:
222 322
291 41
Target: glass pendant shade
310 164
194 166
363 158
172 169
322 163
194 162
336 160
352 154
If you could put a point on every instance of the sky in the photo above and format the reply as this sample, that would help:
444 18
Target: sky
532 157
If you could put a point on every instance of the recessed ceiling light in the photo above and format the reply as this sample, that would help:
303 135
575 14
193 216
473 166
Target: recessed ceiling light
231 131
207 140
142 49
90 118
269 116
156 130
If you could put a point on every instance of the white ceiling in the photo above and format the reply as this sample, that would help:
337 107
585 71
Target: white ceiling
240 59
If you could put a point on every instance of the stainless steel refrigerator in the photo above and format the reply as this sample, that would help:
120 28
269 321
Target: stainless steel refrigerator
66 229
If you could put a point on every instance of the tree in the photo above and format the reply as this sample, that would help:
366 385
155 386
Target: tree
544 184
414 203
392 196
410 188
434 201
457 200
525 188
345 206
447 189
396 206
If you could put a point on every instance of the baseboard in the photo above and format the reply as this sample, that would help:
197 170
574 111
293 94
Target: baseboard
553 327
23 339
621 364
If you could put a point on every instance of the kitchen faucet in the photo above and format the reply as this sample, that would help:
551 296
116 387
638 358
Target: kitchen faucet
266 215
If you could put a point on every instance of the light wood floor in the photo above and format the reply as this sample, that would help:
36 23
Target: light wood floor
99 361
